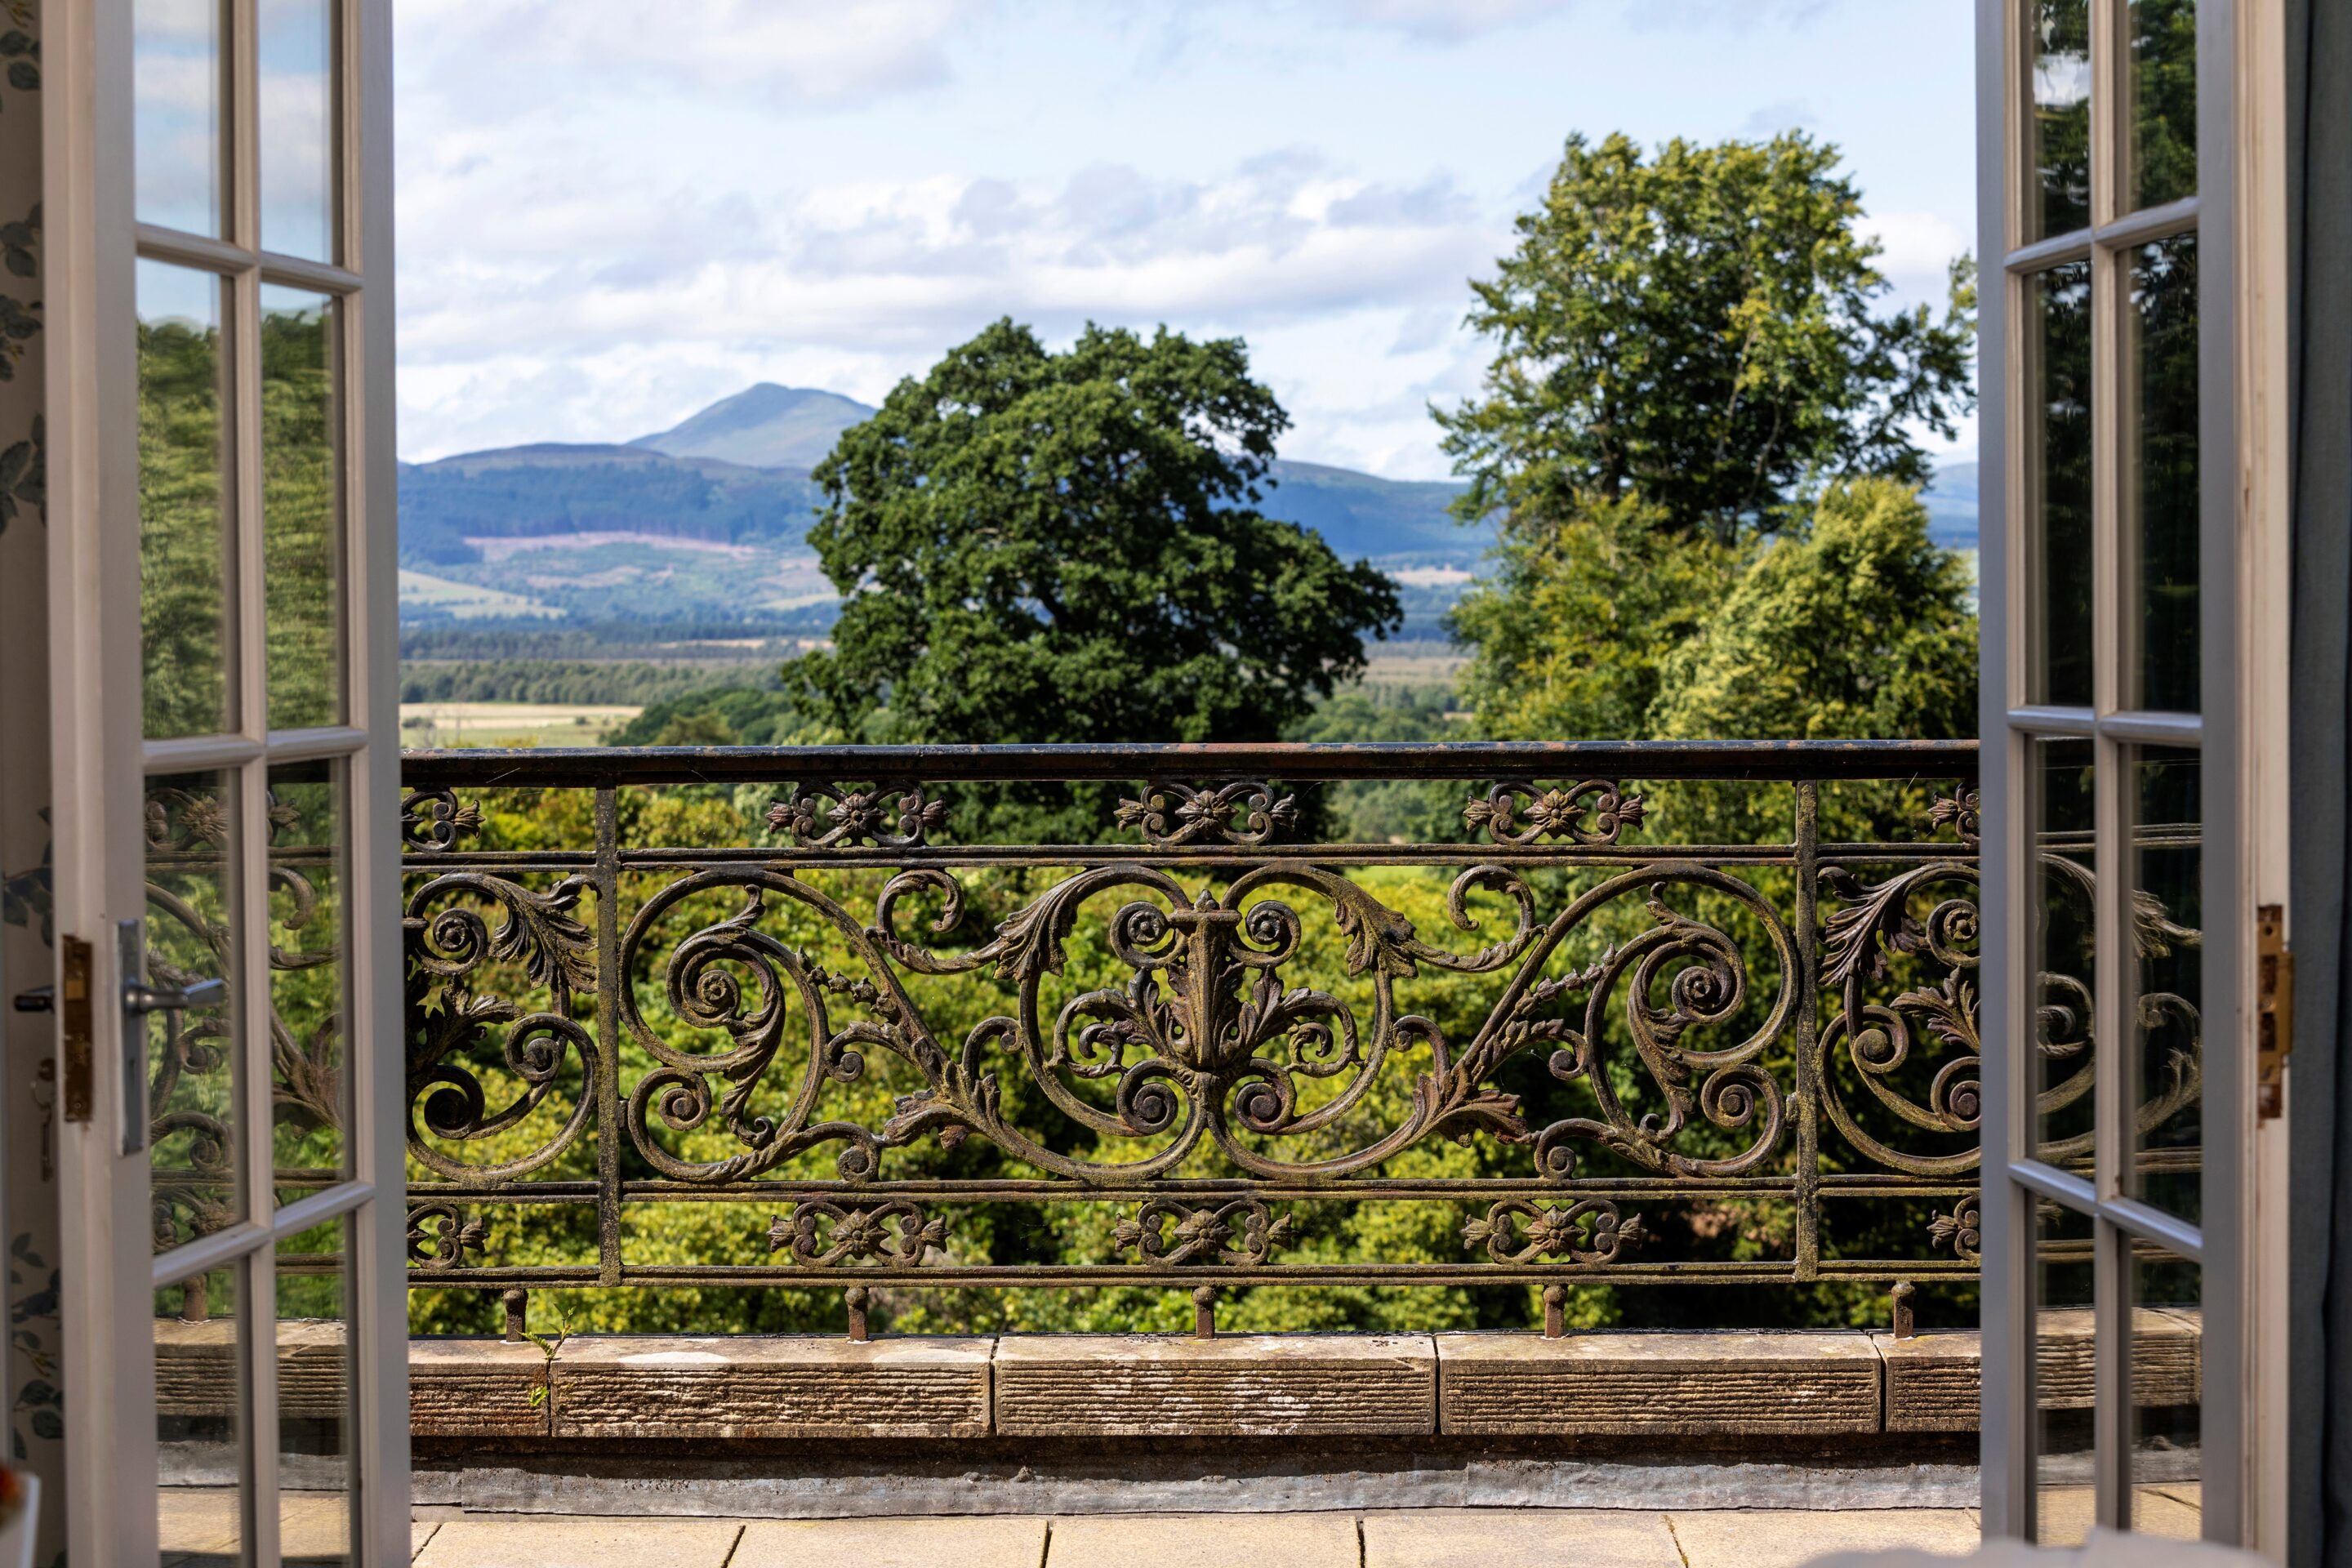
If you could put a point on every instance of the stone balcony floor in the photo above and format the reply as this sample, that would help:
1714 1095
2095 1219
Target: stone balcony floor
1407 1537
1404 1537
197 1528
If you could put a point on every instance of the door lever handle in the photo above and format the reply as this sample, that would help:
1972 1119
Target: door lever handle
38 999
140 998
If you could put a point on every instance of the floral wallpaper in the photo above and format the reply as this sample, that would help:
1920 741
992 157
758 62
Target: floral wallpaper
34 1400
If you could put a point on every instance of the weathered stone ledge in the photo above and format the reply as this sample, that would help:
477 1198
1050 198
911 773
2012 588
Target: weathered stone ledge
1684 1385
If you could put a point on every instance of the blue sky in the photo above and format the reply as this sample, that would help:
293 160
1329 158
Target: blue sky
611 214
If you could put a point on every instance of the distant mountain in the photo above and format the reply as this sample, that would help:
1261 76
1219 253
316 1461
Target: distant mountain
629 531
763 426
1951 502
552 488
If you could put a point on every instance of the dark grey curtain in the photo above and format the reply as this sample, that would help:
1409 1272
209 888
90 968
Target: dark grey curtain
2319 114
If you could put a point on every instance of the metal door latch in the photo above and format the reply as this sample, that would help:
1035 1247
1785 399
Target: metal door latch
140 998
2274 1010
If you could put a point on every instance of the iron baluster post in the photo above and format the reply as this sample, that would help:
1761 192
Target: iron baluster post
609 981
1808 1066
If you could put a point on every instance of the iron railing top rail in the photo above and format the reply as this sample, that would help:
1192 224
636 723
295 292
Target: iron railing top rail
594 766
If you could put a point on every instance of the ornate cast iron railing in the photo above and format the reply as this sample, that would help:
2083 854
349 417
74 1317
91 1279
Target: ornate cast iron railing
1632 1013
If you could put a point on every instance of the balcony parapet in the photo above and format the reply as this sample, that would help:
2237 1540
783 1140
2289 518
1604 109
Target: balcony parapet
632 1389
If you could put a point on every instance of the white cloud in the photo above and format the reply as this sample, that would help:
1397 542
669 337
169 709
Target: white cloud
780 53
853 284
1452 21
1915 250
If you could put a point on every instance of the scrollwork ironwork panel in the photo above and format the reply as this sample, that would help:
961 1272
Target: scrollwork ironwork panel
1587 1037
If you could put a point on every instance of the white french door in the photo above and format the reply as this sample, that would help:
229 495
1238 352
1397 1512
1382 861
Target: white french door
2134 662
222 588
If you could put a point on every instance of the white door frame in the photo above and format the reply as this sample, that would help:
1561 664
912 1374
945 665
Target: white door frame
93 242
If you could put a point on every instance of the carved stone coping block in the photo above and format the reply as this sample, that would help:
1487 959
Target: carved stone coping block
1934 1381
1244 1385
475 1388
1682 1383
647 1385
196 1367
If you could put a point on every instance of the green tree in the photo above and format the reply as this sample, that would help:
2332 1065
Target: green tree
1065 547
1699 329
1855 627
1575 615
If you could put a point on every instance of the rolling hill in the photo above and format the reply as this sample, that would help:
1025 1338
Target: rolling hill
705 524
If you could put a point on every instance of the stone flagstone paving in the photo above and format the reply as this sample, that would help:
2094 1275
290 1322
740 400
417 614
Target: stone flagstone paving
1404 1538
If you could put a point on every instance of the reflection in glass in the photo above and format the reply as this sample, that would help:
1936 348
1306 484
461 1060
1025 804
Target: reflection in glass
175 87
2058 485
2161 77
2168 915
2161 511
193 1074
314 1399
297 115
300 509
2060 200
2167 1477
199 1422
2058 782
306 980
184 555
2064 1375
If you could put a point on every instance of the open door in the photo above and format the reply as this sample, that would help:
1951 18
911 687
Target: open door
2134 663
223 598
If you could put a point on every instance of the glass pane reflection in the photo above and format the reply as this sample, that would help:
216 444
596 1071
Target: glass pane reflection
194 1152
306 980
301 509
2058 780
2161 512
2058 486
297 124
175 92
2064 1375
2061 198
2161 77
2167 1470
200 1421
184 573
314 1399
2168 915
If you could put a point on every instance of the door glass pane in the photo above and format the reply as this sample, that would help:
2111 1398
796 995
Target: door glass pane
314 1399
2059 809
2059 201
2161 77
184 545
297 115
306 975
2168 915
2058 485
2167 1475
175 86
2064 1374
199 1422
2161 512
301 509
193 1076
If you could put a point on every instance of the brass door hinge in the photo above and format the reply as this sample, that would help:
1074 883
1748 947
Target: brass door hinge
73 1025
2274 1010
